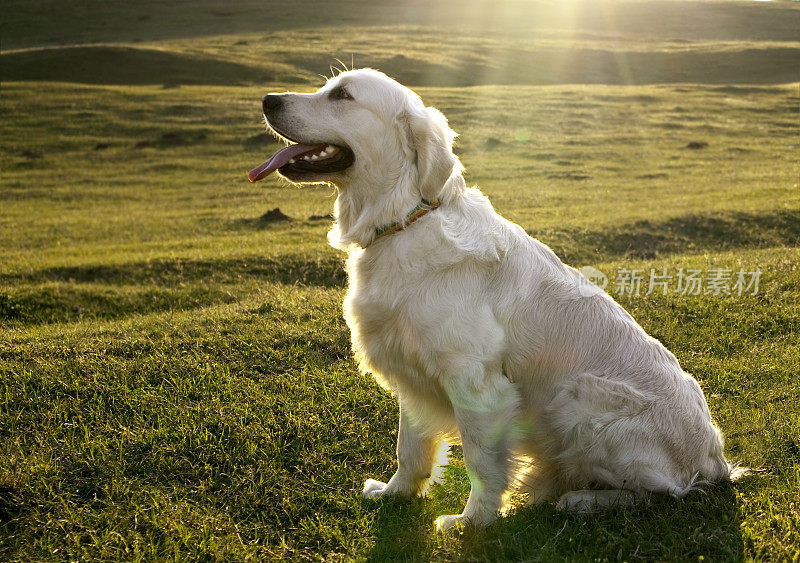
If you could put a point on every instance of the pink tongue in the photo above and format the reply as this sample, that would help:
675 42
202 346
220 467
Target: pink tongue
279 159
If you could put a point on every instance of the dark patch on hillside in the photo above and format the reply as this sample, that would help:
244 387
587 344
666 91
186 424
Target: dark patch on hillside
326 271
124 65
261 142
111 291
172 139
678 235
593 66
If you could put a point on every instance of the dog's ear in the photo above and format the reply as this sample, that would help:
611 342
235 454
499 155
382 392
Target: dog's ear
432 140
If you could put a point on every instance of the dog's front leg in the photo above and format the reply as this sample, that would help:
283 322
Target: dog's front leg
416 454
485 407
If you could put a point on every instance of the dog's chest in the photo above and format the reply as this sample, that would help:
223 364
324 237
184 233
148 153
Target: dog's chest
386 316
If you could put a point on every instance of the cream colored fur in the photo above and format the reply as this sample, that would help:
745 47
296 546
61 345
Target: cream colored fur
485 336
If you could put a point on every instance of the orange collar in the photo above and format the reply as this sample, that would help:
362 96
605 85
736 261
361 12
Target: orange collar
420 210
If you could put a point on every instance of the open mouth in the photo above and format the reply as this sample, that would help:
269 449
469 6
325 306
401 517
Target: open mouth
302 159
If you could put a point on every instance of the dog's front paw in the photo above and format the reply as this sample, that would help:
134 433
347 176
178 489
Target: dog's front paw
449 522
373 489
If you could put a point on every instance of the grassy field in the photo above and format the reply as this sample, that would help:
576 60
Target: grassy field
175 374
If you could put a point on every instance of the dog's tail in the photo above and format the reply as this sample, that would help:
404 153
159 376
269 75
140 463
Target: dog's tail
736 471
722 469
717 467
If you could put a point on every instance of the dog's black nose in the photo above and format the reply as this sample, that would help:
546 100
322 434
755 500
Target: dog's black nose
271 102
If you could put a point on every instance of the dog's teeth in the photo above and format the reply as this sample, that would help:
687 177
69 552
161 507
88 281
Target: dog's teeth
314 157
291 161
323 153
306 157
330 148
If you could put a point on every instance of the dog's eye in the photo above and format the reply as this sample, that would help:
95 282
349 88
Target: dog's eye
339 93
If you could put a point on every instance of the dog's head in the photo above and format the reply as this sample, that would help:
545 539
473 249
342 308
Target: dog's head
360 126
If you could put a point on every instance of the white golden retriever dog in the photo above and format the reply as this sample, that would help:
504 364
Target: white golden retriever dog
484 335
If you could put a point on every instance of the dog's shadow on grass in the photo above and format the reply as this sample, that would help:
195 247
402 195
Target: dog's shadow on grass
705 523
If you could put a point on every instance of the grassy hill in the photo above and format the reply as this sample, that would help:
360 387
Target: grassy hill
446 43
175 374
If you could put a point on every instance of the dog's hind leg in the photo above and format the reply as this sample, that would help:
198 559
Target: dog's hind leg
485 406
416 455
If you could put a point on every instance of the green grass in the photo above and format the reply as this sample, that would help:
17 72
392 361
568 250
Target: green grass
175 373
